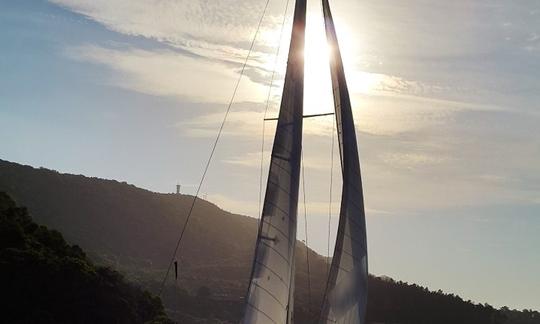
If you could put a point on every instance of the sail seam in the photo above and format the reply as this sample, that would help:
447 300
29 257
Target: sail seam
271 270
276 251
270 294
278 186
278 208
279 165
355 259
353 239
277 229
260 311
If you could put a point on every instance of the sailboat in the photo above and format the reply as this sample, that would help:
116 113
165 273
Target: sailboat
270 296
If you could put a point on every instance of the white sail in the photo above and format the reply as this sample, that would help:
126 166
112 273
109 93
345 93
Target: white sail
270 294
346 293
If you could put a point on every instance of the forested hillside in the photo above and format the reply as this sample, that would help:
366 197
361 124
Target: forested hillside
46 280
134 231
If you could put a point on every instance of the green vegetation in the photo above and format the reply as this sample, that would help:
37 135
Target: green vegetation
134 230
45 280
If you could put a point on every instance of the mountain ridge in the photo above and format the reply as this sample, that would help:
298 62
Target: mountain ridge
135 230
138 215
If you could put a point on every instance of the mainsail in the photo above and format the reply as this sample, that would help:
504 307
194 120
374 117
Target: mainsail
270 294
346 292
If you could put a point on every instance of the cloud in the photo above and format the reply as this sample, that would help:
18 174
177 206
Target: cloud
240 206
248 123
177 22
461 50
253 160
477 51
411 160
166 73
438 101
219 29
239 124
216 33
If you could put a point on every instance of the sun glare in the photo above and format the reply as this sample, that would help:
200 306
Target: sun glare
318 88
317 81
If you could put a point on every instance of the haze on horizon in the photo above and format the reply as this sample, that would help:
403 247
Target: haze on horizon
446 97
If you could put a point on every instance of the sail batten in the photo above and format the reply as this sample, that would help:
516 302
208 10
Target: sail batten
346 293
271 289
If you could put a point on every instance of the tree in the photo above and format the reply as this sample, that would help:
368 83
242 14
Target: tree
46 280
204 292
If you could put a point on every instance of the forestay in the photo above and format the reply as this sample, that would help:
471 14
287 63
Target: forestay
270 294
346 292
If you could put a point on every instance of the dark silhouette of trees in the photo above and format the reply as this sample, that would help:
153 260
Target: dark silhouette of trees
399 302
45 280
204 292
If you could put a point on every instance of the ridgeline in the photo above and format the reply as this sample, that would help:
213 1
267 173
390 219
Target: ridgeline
134 231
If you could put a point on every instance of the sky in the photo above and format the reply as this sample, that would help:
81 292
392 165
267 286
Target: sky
446 99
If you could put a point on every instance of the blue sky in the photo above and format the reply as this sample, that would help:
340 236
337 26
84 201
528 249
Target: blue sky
446 98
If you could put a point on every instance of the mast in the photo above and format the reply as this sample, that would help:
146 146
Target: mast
271 289
346 292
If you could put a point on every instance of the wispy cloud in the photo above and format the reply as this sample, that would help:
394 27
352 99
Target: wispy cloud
242 206
182 23
445 97
202 46
411 160
240 123
166 73
253 160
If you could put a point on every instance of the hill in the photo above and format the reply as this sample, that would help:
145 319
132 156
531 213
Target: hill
45 280
135 230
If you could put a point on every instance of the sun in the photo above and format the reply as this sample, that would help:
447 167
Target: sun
318 98
317 82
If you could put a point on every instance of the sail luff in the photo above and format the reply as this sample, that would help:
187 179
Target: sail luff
346 292
271 289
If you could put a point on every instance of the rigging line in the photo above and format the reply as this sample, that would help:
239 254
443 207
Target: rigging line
213 149
306 231
330 195
267 105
